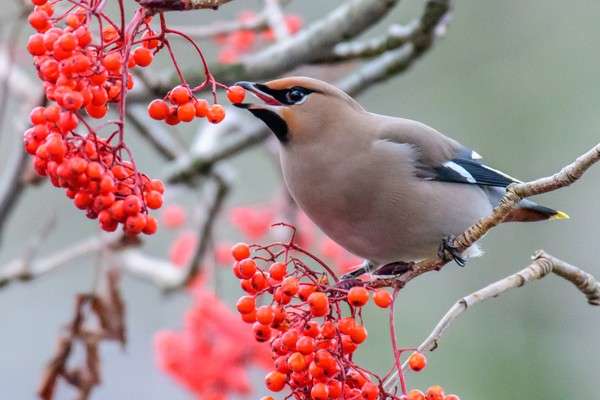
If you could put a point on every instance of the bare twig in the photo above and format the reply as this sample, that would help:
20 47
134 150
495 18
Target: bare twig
542 265
158 138
421 37
276 19
181 5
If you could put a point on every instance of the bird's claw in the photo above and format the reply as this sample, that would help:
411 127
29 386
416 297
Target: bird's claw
448 252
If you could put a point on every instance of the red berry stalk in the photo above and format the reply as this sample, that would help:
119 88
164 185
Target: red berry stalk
84 59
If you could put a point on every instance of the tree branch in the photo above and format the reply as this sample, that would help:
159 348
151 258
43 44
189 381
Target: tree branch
542 265
181 5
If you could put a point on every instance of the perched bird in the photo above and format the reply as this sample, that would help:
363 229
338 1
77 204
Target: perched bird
390 190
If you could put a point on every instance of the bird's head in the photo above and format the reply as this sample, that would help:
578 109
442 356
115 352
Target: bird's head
298 108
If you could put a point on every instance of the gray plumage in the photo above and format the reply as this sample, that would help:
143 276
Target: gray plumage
387 189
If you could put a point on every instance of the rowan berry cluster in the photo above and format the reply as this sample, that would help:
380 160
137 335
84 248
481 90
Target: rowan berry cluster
84 66
210 356
311 341
313 325
84 60
180 105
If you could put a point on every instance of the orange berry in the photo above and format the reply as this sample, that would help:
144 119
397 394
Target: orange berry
143 56
250 317
264 315
382 298
345 325
240 251
151 225
154 199
236 94
319 391
180 95
216 113
96 111
435 392
277 271
319 304
158 109
451 397
370 391
358 334
306 290
247 268
415 394
35 45
358 296
201 106
262 333
296 362
186 112
275 381
305 345
417 361
246 304
112 61
290 286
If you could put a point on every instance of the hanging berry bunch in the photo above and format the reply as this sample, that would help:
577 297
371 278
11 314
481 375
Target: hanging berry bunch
313 325
84 59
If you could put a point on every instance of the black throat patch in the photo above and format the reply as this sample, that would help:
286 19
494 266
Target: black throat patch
273 121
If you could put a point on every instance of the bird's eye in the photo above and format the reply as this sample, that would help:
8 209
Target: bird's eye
295 95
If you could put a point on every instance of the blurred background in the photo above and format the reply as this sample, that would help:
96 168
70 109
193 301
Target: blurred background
516 80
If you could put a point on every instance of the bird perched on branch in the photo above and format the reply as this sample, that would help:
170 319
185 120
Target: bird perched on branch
390 190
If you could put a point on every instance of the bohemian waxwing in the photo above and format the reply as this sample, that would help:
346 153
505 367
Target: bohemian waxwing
390 190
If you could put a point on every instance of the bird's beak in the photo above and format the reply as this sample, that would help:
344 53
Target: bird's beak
269 110
261 92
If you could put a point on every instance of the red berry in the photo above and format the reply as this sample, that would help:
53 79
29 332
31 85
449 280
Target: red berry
158 109
240 251
277 271
415 394
246 304
417 361
275 381
247 268
236 94
319 304
143 56
154 199
180 95
216 113
382 298
358 296
435 392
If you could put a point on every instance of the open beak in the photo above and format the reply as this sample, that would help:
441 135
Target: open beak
259 91
269 110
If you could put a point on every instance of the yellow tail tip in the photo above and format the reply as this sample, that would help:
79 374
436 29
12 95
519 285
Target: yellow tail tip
560 215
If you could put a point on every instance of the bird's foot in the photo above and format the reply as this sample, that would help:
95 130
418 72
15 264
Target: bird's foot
448 252
348 283
394 269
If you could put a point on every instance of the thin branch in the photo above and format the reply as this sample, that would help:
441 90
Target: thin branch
24 269
181 5
429 27
158 138
258 23
542 265
514 194
276 19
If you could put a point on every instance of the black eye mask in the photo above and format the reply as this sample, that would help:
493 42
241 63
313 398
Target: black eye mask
289 96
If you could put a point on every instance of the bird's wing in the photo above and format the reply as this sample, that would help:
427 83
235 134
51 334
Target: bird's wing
439 158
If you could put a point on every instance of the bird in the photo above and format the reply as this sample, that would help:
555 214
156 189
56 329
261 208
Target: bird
390 190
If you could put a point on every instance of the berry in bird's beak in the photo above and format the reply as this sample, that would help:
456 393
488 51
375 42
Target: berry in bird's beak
260 91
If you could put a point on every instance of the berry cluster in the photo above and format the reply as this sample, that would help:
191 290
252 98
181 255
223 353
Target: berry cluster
86 69
180 105
311 342
212 352
312 338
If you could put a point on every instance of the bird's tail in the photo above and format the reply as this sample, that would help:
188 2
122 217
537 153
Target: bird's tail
528 211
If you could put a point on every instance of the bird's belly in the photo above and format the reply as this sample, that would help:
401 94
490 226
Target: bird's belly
384 226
